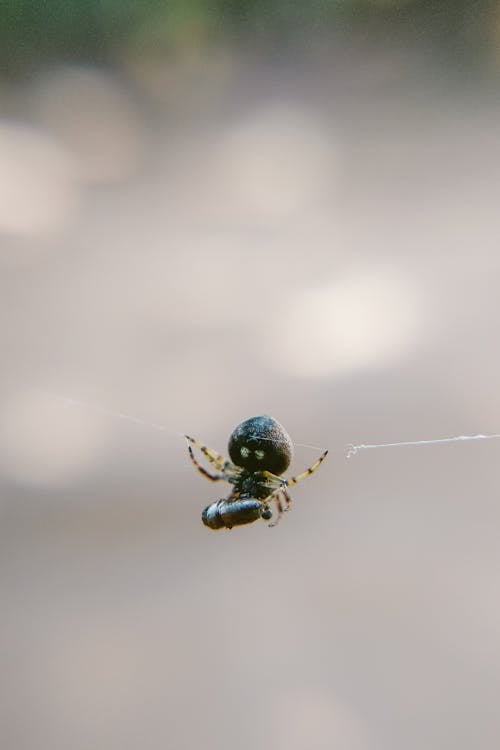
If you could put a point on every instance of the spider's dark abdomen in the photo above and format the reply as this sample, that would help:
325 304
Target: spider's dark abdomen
261 444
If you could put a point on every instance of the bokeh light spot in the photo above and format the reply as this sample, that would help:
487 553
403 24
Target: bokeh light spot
359 321
95 119
37 188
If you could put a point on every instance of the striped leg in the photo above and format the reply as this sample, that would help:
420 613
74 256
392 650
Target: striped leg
279 487
293 480
280 483
277 499
202 470
212 456
287 498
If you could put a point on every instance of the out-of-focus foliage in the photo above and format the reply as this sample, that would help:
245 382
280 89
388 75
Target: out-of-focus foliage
101 30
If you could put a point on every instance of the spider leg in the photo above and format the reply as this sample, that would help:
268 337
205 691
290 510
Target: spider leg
226 469
277 499
287 498
212 456
273 481
279 486
293 480
202 470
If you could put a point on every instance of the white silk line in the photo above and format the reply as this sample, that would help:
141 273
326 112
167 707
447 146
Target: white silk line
352 450
116 414
135 420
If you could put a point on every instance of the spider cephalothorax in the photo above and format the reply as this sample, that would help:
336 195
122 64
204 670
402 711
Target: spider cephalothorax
260 450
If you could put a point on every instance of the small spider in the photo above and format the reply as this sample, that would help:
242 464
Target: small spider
260 450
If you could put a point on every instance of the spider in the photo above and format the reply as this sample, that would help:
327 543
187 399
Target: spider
260 450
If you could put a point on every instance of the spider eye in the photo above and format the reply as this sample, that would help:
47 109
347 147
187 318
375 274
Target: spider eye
259 454
245 452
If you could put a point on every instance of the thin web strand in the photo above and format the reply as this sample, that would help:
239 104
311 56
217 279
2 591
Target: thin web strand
306 445
352 450
136 420
116 414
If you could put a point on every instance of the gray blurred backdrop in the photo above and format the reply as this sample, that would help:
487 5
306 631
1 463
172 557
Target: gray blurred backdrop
212 212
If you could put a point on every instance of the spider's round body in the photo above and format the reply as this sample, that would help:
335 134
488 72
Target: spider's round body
260 450
261 443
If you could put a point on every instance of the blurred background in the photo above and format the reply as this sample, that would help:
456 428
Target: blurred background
215 210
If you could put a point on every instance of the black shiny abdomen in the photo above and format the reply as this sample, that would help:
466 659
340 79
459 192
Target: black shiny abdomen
261 444
224 514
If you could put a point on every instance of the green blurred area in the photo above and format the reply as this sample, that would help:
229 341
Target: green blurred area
33 32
